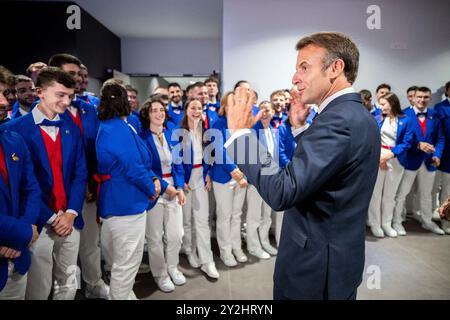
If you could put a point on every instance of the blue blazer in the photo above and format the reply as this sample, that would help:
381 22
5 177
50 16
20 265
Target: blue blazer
91 99
434 135
90 123
281 119
177 169
326 190
74 165
404 139
15 113
212 115
134 120
123 155
443 110
19 205
311 116
174 118
376 112
223 165
287 144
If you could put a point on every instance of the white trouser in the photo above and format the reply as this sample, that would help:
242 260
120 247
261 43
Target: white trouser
197 233
382 203
441 188
412 201
229 200
122 239
90 253
278 223
165 219
52 252
258 220
425 180
16 285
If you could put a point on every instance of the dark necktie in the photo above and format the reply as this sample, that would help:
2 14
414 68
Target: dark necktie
50 123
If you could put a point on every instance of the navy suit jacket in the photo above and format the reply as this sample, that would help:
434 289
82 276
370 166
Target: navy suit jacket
326 190
74 165
19 205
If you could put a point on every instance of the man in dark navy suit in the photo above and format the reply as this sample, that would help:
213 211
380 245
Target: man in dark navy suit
326 188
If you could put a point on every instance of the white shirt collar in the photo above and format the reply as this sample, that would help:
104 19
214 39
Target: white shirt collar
334 96
23 112
417 110
38 116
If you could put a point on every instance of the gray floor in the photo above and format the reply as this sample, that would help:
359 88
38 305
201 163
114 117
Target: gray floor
416 266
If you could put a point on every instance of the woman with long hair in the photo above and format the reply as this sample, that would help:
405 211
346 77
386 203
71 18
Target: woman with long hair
396 137
126 186
197 233
165 219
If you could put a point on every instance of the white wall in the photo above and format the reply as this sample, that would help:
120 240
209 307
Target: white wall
259 40
171 56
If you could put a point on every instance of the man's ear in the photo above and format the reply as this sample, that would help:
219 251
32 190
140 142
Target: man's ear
337 68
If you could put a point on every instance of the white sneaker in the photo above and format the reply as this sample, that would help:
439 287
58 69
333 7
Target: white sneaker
389 231
228 260
269 249
193 261
446 226
418 217
260 253
100 291
240 256
433 227
210 270
399 228
165 284
377 231
176 275
436 217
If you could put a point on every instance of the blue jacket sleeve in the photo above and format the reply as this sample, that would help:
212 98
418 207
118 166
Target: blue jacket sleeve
282 135
30 193
14 233
440 143
407 141
134 168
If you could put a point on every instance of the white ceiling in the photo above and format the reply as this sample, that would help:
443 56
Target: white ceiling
198 19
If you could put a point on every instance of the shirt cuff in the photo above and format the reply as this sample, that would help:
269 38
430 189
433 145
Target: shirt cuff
52 218
72 212
297 131
236 135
